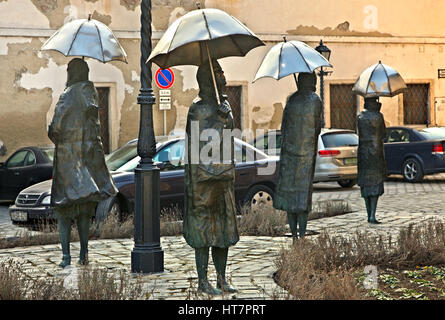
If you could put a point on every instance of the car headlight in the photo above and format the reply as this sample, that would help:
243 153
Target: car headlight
47 200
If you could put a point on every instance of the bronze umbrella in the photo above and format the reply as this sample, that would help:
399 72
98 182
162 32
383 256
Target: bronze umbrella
86 38
201 34
379 80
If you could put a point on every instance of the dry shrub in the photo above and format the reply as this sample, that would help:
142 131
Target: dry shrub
11 281
14 285
299 275
264 221
113 228
171 221
99 284
329 208
47 234
92 284
322 268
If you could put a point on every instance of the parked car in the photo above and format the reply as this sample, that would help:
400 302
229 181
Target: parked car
250 187
415 153
25 167
336 158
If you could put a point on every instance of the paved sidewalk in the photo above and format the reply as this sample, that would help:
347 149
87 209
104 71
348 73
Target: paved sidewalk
251 262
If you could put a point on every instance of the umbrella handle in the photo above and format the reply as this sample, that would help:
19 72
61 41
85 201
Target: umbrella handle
213 74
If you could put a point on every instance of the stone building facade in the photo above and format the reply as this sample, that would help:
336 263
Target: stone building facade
404 34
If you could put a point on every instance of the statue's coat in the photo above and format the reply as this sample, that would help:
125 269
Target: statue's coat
210 210
300 128
80 174
371 154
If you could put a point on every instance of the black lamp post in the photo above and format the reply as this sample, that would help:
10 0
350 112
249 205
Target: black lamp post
147 255
325 52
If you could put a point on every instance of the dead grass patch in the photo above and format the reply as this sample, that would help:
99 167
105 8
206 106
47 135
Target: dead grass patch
90 284
326 267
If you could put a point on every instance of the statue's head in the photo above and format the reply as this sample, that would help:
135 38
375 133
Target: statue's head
205 82
77 71
372 104
307 81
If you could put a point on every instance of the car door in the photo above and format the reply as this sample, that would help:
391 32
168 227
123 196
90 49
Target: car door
246 169
171 158
397 144
13 175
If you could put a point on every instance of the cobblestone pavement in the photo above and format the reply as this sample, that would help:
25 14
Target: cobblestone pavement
251 261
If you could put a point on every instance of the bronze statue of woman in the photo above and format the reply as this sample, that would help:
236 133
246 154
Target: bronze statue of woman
371 155
80 176
210 211
300 128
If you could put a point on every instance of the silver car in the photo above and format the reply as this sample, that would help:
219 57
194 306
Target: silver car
336 157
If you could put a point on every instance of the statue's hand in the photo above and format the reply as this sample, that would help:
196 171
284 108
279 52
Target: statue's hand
224 108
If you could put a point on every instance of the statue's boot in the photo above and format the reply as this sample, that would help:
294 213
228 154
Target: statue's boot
373 205
83 226
219 256
368 208
202 264
302 224
292 220
64 226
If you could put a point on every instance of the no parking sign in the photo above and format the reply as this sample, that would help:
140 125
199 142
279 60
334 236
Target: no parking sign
164 78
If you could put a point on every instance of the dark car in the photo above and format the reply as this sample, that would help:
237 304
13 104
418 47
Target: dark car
25 167
336 157
414 153
256 175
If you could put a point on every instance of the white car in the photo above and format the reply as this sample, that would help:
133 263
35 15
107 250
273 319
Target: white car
336 158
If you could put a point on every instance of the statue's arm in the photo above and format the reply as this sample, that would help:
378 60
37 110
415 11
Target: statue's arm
89 96
56 127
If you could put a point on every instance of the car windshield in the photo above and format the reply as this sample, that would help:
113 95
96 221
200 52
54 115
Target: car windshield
433 133
134 162
270 142
49 153
119 157
173 154
339 139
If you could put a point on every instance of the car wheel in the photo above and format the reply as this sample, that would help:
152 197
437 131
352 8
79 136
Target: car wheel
347 183
412 170
258 197
107 207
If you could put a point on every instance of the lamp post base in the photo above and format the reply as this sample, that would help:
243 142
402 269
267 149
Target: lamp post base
147 259
147 255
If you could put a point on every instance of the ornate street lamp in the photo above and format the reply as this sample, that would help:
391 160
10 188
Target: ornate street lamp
147 255
325 52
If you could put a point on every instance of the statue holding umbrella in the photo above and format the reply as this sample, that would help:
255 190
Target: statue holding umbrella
80 176
376 81
300 128
200 38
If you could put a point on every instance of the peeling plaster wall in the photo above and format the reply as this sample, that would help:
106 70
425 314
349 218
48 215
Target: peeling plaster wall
397 17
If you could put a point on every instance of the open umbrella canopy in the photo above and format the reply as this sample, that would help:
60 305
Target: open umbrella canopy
290 57
86 38
379 80
184 42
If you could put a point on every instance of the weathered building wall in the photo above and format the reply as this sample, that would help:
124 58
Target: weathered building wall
406 35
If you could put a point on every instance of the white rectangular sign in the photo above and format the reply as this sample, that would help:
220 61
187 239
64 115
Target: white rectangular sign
165 106
164 93
164 100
